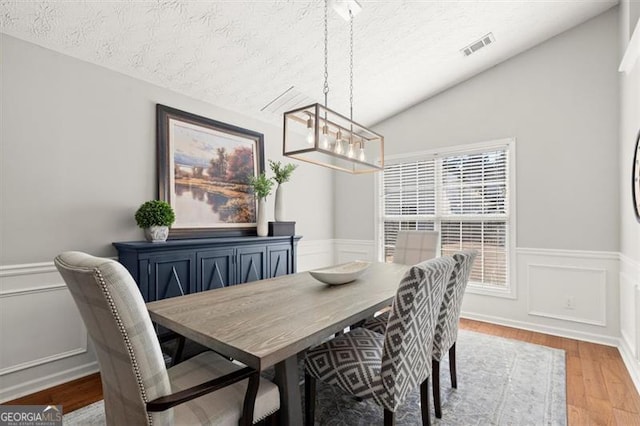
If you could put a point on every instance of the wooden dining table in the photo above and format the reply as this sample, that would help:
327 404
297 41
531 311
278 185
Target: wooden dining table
269 322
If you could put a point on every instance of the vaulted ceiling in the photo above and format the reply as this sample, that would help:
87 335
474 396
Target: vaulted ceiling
241 55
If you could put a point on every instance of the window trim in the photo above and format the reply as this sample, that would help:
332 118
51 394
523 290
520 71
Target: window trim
510 291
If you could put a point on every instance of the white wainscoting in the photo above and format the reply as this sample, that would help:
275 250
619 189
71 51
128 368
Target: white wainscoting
630 316
580 294
350 250
314 254
573 286
545 280
44 342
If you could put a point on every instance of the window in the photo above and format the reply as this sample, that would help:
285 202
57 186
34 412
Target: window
465 194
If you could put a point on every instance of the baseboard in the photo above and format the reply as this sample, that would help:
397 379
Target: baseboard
554 331
632 364
41 383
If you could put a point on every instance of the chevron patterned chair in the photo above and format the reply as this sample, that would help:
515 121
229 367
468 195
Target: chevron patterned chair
138 389
448 319
385 368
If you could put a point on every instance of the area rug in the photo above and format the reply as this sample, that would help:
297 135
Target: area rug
500 382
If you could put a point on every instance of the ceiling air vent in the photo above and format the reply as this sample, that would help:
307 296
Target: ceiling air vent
288 100
477 45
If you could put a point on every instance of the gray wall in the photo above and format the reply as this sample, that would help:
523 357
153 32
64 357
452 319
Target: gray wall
560 101
78 156
629 128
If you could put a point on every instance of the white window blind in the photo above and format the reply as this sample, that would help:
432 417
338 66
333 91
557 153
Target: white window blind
465 196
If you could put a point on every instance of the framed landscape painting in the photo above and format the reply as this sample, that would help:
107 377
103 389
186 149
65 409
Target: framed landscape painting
204 167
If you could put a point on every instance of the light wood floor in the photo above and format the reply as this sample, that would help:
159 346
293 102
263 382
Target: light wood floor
599 388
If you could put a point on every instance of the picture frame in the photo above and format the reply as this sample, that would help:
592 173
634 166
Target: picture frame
203 170
635 178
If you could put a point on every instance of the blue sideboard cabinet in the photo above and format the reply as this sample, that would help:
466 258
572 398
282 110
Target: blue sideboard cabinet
178 267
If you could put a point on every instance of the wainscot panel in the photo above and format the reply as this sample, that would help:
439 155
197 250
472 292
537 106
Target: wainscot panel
314 254
350 250
630 316
579 293
44 341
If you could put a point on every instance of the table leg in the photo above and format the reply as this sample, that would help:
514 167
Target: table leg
290 401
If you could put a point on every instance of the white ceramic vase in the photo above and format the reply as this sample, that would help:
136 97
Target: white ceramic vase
263 227
156 234
279 209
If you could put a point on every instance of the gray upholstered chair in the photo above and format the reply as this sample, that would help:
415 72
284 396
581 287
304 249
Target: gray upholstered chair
447 328
138 389
413 247
385 368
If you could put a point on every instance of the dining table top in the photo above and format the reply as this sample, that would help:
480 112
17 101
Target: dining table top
264 322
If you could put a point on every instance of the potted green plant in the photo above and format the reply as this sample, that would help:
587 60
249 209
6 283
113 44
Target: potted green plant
261 188
282 174
155 217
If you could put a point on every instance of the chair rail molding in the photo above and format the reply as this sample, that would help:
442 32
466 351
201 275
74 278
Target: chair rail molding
26 269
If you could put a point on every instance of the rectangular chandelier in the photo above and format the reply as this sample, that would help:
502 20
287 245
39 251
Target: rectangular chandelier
318 135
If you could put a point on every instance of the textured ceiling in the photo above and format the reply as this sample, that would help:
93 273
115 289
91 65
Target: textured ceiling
242 54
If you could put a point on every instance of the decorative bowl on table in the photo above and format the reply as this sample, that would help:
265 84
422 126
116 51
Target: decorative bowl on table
340 274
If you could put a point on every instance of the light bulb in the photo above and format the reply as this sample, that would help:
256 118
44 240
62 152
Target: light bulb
351 153
338 147
361 156
325 137
310 132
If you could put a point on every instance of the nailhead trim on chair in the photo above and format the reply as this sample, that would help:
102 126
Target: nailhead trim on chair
125 336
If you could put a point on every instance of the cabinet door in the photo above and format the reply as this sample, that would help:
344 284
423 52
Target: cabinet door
215 269
279 257
252 263
171 274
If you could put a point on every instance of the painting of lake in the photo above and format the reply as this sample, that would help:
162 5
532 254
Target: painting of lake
209 175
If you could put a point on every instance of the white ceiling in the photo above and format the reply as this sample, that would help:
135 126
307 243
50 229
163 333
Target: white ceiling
242 54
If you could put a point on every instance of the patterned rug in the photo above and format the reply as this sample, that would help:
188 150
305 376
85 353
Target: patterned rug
500 382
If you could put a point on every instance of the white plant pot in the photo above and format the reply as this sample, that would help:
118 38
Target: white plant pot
279 208
263 227
156 234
